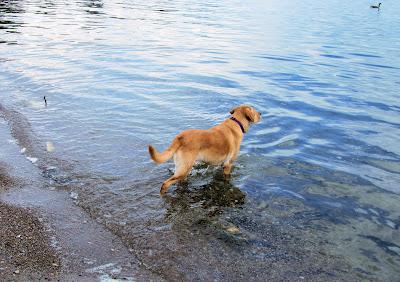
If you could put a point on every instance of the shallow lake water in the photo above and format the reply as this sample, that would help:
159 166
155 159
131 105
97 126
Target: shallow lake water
315 192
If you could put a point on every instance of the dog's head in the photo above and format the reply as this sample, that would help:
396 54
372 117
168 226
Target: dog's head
246 112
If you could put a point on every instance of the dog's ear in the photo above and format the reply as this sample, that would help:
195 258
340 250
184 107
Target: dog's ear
249 114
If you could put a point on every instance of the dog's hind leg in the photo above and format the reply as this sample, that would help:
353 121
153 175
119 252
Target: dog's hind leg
183 164
227 168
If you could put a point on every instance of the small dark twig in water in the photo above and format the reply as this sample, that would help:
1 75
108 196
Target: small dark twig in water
45 101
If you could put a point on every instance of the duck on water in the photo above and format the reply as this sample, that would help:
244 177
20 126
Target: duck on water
376 7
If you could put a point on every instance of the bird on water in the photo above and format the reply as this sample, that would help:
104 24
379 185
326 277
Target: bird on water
376 7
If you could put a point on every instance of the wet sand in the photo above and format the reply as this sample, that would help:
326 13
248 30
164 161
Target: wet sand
37 246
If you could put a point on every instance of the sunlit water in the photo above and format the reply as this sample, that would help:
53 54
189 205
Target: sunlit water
315 190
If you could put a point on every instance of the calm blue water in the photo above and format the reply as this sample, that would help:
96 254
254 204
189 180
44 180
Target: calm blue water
322 168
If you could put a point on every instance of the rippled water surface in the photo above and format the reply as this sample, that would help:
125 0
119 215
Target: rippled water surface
315 190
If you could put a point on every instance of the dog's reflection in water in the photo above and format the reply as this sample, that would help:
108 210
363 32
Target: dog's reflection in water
211 198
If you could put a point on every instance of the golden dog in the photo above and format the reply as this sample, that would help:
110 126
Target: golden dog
217 145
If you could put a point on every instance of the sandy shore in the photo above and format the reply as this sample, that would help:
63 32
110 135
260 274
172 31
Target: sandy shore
44 235
25 251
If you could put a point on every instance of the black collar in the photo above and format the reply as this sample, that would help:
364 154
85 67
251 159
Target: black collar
239 123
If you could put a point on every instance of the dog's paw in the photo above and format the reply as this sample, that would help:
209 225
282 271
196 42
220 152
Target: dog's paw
164 189
227 176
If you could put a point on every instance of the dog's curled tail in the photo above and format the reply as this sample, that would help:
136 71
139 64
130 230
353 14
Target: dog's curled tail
166 155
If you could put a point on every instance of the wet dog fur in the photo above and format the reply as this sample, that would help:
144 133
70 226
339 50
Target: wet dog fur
218 145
